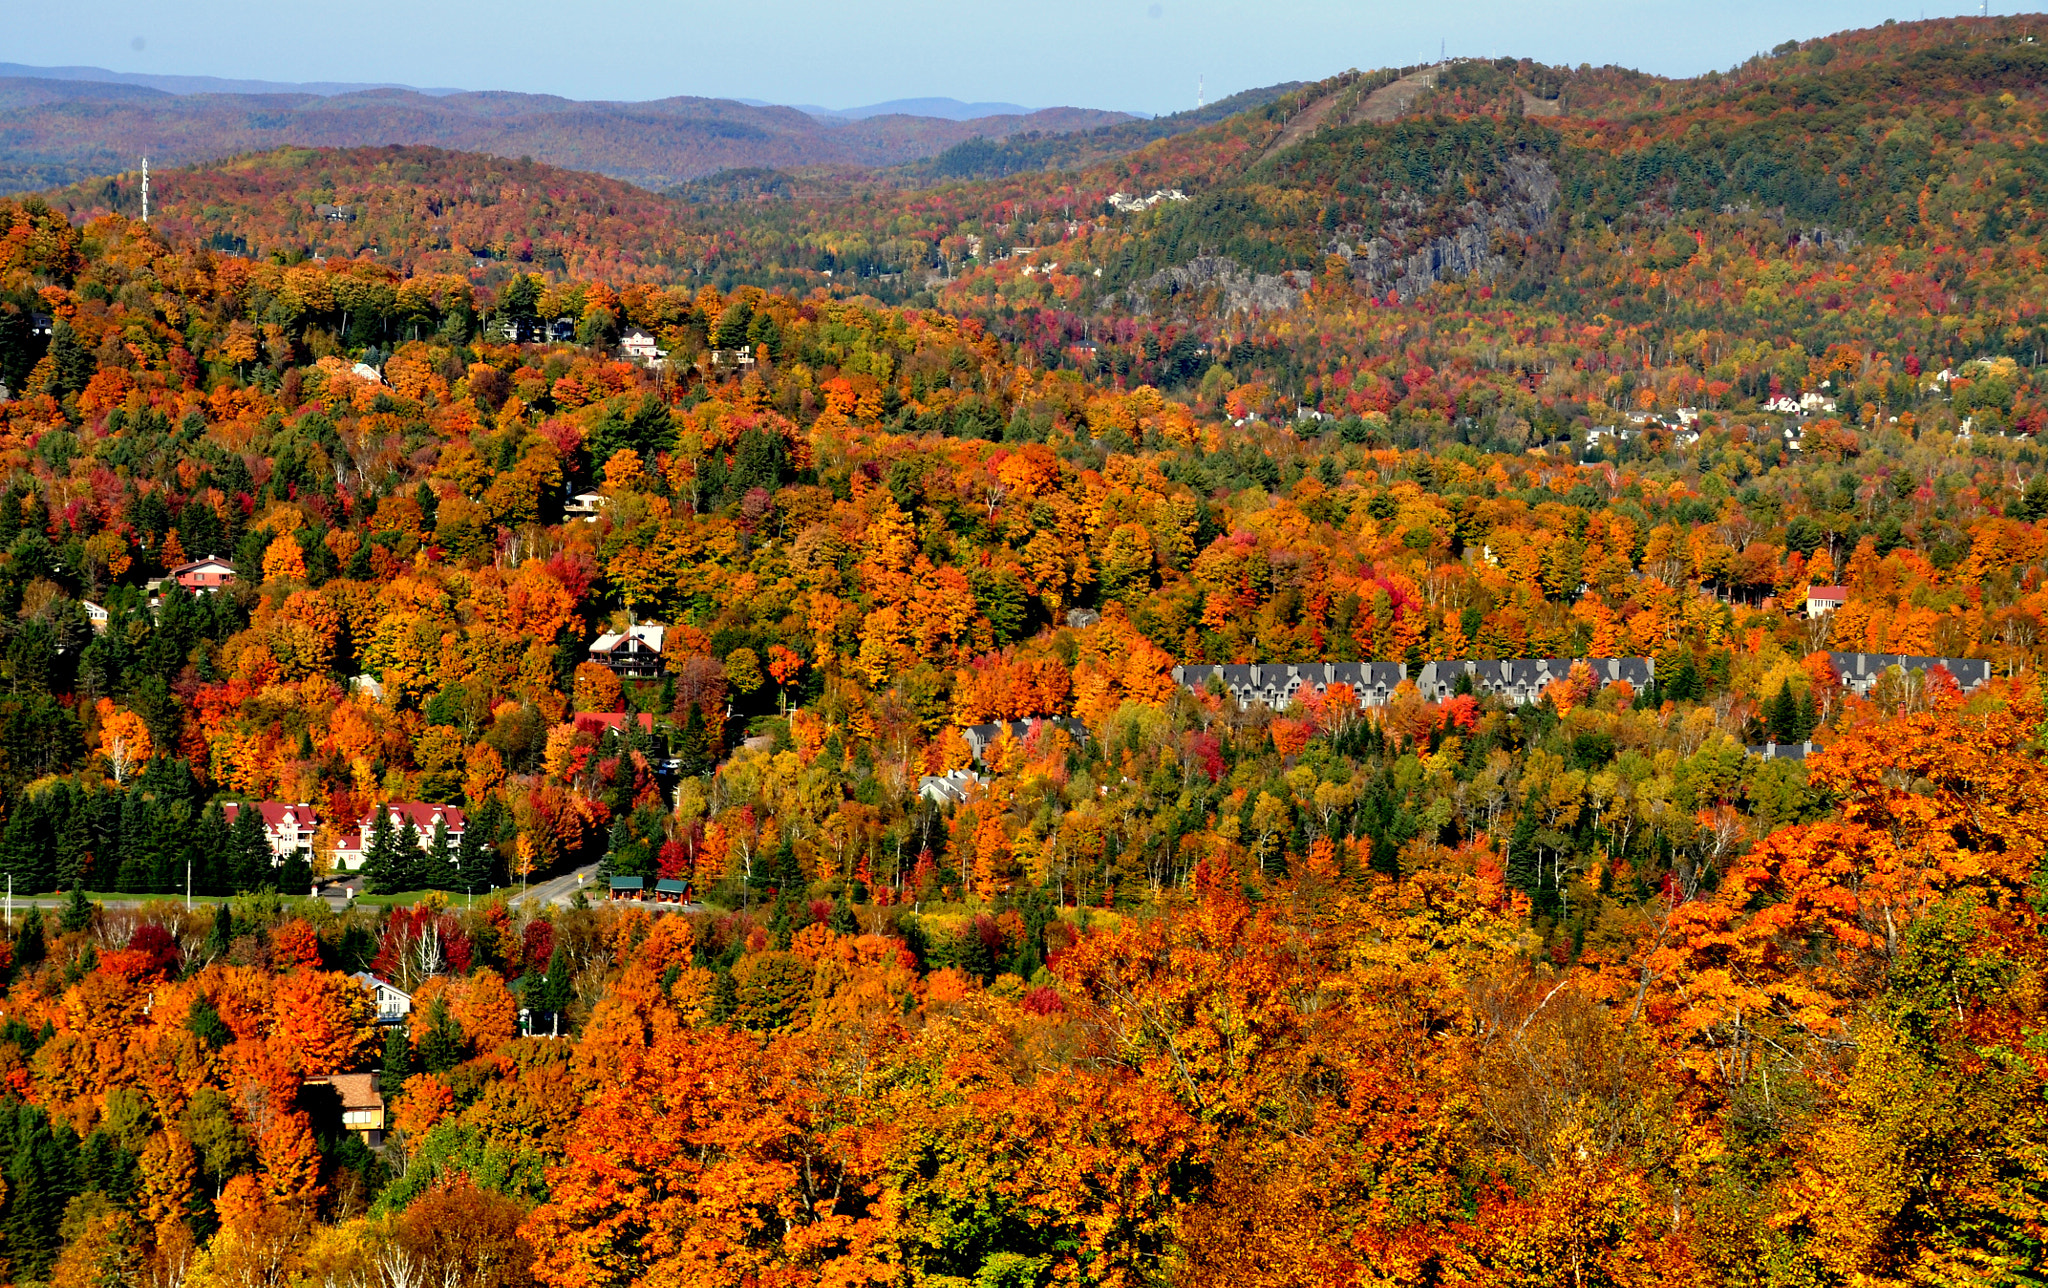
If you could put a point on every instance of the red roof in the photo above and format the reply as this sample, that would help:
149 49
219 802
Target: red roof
1828 592
599 721
422 816
274 813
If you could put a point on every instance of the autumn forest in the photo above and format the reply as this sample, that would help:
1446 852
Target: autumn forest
1430 678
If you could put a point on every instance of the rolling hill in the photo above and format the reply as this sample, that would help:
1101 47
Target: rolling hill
54 132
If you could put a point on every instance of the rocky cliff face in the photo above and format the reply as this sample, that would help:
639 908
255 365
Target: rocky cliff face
1409 265
1215 286
1411 252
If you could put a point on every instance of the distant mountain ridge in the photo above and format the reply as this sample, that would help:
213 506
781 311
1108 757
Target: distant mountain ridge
202 84
61 131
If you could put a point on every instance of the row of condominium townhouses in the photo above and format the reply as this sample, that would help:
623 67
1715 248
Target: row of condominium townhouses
1520 680
290 827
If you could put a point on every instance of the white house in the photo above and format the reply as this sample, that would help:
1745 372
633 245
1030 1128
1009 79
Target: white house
584 506
393 1002
1822 600
638 346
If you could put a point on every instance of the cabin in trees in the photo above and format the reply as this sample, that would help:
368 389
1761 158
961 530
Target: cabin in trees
1822 600
632 654
585 506
362 1103
631 889
393 1003
288 828
203 576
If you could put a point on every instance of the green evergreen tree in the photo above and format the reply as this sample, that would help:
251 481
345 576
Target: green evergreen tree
475 860
557 989
78 911
442 1048
251 866
438 868
295 874
222 936
42 1178
693 750
381 862
206 1025
407 858
842 920
29 947
212 848
398 1064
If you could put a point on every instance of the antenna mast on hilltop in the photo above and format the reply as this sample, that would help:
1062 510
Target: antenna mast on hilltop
145 190
1201 91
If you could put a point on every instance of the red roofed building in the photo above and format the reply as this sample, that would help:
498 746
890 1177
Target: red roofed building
349 846
602 722
202 575
288 828
1825 599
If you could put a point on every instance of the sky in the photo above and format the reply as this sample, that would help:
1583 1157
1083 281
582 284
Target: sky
1132 55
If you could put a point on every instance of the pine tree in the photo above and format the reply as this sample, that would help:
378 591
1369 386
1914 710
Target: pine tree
222 936
78 911
74 847
212 848
442 1048
691 748
397 1059
557 989
439 866
42 1177
380 874
29 947
407 858
842 921
475 862
250 862
295 874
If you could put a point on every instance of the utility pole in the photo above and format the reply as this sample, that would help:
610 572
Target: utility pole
10 901
145 190
188 883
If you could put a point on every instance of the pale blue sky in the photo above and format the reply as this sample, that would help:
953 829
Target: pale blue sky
1135 55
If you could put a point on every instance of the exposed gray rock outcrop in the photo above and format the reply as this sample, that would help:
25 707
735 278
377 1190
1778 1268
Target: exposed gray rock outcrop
1220 284
1408 265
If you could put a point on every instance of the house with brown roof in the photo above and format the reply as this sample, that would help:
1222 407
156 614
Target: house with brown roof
362 1103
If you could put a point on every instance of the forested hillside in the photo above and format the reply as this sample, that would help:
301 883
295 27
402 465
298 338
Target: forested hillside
937 931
